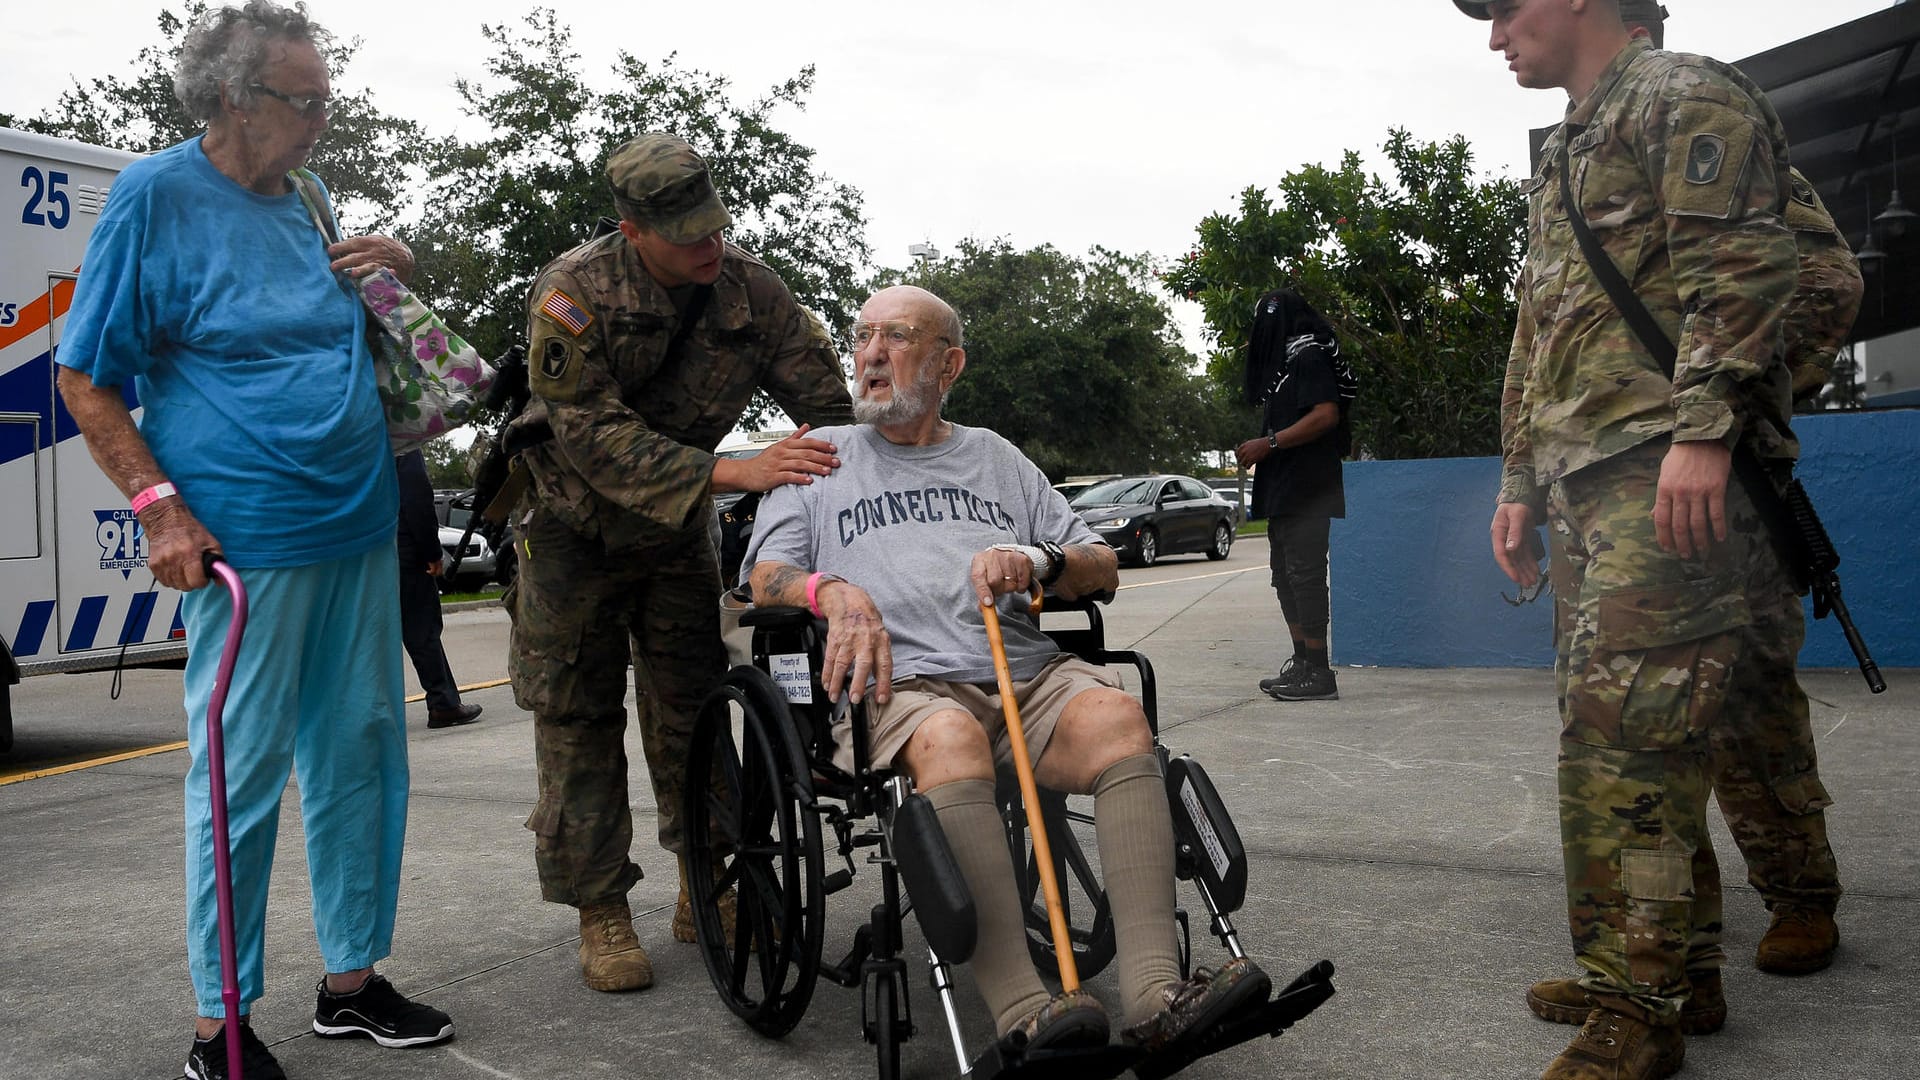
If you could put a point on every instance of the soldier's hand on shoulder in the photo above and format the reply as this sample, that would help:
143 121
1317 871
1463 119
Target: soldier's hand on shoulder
795 459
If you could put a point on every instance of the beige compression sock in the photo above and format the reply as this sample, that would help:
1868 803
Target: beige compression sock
1135 833
1002 968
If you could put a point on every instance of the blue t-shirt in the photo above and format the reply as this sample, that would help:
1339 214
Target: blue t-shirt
248 355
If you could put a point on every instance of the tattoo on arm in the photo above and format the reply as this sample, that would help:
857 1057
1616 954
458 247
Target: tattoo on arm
786 585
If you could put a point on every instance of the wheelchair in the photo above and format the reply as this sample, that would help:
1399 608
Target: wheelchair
764 795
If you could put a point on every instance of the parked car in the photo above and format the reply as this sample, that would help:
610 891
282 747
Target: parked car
1145 517
1074 485
1234 499
489 554
478 562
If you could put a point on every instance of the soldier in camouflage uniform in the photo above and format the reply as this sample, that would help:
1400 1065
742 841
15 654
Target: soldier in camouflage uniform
1769 786
616 564
1672 604
1819 318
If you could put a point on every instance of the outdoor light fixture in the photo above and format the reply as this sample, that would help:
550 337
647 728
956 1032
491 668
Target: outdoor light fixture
1870 257
1896 219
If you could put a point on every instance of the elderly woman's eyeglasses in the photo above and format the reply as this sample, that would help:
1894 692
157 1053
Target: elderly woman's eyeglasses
309 108
893 336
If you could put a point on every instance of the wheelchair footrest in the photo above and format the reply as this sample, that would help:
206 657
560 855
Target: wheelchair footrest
1001 1062
1301 997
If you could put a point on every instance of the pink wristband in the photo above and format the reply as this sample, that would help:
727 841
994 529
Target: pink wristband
153 495
813 592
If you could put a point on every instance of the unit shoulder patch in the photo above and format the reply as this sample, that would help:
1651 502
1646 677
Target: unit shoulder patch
1709 160
1705 157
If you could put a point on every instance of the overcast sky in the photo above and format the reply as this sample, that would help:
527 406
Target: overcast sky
1047 121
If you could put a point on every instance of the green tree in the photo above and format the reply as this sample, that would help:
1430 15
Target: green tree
504 204
1416 275
1076 362
364 157
446 465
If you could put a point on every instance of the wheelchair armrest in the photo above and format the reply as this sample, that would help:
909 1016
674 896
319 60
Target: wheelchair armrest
1084 602
777 618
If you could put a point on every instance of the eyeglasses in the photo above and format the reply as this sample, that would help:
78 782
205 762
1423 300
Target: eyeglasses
309 108
894 336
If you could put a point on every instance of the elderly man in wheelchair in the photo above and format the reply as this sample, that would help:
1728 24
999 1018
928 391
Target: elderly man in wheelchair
923 525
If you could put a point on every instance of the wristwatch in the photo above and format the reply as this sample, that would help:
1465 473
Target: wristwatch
1273 439
1056 561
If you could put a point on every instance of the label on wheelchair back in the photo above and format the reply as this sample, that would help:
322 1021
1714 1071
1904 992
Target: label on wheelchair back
792 674
1204 829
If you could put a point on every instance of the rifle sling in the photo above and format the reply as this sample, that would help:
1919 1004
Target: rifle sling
1751 472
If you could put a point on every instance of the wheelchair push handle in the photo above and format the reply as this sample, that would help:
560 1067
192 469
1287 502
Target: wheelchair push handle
1030 798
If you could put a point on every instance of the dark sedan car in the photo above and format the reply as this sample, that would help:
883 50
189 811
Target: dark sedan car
1145 517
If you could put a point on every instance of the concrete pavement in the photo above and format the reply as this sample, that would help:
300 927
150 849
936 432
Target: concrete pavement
1406 832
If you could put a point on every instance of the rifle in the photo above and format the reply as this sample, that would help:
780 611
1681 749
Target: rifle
1802 540
492 464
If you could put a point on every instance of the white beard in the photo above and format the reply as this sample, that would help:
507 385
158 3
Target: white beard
909 404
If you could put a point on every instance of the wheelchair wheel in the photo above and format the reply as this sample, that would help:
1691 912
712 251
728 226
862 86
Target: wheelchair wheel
1089 922
885 1032
750 827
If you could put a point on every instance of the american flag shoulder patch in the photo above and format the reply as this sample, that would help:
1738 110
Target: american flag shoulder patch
564 310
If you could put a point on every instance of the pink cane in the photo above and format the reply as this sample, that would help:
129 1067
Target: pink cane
217 781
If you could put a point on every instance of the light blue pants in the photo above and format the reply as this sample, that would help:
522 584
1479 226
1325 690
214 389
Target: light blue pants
318 686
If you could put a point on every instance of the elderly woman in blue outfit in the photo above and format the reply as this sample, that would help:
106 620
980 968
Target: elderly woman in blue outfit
207 285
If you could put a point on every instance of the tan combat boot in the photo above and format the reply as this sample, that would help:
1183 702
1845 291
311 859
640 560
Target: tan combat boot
610 954
1565 1001
1799 941
1615 1046
683 929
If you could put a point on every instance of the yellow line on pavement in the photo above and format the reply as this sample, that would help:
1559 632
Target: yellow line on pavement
149 751
36 774
1196 577
464 689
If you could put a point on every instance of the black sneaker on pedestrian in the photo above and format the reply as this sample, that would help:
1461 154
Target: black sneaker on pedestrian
377 1011
208 1058
1314 683
1289 671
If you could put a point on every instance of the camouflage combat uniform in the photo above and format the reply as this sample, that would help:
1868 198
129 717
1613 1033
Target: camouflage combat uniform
616 563
1820 316
1679 166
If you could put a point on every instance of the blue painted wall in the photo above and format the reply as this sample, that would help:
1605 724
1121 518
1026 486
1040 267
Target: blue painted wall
1414 584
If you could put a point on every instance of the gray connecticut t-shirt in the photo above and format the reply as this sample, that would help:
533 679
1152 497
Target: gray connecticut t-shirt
904 522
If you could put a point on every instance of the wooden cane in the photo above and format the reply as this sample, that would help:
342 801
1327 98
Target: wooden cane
1030 795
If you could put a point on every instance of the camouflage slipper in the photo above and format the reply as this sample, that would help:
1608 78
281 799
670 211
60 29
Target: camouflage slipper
1073 1020
1197 1005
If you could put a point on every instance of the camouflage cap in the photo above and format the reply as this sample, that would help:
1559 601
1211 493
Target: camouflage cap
1642 13
660 182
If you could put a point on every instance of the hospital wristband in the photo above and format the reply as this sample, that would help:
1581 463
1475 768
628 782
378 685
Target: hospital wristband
813 592
153 495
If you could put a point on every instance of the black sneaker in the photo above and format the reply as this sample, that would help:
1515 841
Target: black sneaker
1314 683
377 1011
208 1058
1289 671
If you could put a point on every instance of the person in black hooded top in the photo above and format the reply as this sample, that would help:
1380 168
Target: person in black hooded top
1303 387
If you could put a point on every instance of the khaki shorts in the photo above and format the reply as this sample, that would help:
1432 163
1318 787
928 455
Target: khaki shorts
1041 700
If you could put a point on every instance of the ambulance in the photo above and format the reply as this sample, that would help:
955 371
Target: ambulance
75 592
